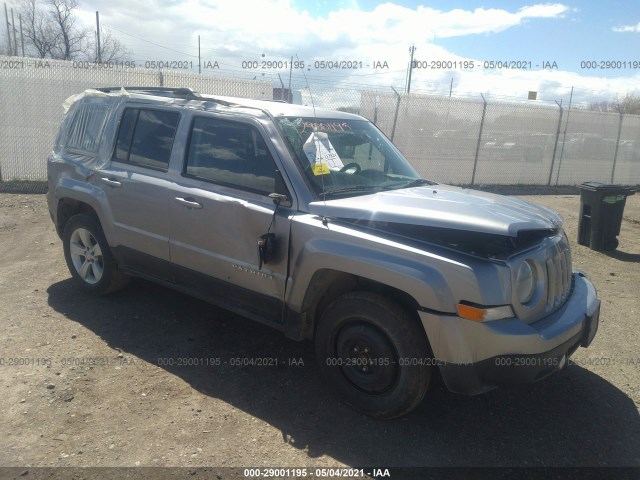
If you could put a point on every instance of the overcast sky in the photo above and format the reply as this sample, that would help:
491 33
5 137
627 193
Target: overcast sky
234 31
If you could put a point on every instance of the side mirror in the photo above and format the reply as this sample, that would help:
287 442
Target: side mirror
280 193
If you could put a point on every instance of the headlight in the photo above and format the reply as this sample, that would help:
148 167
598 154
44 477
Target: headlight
525 283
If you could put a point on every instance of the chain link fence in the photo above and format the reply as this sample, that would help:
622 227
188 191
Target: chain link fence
474 142
450 140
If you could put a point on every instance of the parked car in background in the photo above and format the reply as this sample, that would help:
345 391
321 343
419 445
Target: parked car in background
517 147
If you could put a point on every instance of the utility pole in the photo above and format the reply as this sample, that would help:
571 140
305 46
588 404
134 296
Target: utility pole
199 60
15 42
411 51
6 18
98 36
21 36
451 87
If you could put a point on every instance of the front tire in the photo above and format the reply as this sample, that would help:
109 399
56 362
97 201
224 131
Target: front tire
88 256
373 354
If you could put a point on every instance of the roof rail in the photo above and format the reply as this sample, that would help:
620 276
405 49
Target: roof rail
183 92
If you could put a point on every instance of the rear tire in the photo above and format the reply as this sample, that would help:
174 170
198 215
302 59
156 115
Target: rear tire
88 256
373 354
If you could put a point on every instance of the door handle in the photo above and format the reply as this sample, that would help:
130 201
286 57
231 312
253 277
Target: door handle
110 182
188 202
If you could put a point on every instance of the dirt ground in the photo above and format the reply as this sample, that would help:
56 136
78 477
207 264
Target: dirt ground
107 381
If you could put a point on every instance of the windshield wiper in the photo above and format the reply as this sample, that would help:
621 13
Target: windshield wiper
417 182
354 188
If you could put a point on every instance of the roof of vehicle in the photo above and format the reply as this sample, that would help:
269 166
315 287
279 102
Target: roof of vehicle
274 108
280 109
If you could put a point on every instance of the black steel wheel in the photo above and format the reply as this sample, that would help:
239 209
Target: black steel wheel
373 354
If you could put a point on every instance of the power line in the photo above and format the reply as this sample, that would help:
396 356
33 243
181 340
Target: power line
242 55
153 43
317 77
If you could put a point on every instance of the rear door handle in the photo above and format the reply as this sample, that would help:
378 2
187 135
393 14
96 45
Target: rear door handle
188 202
111 182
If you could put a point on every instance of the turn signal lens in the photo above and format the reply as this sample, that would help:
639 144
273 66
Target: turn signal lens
484 314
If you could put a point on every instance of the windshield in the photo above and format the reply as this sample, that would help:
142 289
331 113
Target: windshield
346 157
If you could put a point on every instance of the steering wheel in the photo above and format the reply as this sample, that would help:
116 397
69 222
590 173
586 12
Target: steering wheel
351 165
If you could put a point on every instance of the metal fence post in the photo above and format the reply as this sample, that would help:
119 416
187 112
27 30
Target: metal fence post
160 77
475 161
395 118
375 121
555 145
615 154
375 110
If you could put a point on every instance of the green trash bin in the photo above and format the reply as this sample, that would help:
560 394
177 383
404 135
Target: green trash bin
601 209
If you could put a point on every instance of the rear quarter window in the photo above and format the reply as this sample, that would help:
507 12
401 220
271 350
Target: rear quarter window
87 127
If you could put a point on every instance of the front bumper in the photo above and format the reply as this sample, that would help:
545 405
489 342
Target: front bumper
475 357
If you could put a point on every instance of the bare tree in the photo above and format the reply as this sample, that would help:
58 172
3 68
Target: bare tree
4 47
629 105
38 29
111 49
601 106
51 30
73 41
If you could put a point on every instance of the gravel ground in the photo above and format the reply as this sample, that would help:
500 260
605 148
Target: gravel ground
90 381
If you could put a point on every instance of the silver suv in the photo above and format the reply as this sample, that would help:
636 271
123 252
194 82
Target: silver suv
311 221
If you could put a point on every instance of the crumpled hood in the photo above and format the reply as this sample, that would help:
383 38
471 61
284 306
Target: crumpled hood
443 206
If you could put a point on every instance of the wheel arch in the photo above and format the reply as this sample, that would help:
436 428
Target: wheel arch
67 208
328 284
73 197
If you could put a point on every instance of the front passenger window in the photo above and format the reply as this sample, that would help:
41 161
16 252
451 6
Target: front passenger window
230 153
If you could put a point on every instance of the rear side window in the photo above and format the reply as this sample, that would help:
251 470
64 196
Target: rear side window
146 137
230 153
87 127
